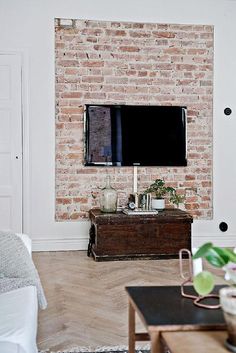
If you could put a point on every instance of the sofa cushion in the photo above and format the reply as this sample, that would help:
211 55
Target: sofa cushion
18 320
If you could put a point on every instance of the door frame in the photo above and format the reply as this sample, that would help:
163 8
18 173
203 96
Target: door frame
23 55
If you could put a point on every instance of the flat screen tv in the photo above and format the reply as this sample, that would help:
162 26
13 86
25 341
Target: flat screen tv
128 135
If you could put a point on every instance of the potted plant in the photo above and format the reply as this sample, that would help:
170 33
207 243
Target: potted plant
159 190
203 283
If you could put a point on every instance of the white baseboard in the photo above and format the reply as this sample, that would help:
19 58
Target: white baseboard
221 240
54 244
72 243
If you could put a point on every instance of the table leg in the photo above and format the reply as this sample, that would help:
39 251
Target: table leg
131 329
155 342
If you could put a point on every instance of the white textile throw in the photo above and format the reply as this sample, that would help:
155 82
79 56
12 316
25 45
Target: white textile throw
17 268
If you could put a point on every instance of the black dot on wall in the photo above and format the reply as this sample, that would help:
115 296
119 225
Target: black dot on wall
227 111
223 226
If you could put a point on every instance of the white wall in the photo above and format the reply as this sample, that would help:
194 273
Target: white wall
27 26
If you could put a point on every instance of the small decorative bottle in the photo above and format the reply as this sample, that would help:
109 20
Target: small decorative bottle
108 198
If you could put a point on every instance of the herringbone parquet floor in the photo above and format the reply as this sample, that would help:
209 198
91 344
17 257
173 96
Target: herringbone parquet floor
87 303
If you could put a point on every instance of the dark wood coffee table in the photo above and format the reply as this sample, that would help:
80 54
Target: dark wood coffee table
164 309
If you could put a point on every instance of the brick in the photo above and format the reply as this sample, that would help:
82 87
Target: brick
93 79
80 199
91 32
59 45
182 67
163 34
189 177
138 25
174 51
70 110
72 95
129 49
139 34
94 95
206 35
92 63
116 80
78 215
68 63
102 47
63 201
113 32
62 216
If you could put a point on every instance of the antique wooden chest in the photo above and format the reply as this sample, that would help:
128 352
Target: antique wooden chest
116 236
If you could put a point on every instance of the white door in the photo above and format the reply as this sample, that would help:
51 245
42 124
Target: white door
10 144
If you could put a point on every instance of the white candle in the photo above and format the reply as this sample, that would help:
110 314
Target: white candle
136 200
197 263
135 181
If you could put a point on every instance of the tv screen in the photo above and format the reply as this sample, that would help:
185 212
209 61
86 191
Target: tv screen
127 135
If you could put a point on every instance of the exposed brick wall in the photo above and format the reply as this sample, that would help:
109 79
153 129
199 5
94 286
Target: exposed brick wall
132 63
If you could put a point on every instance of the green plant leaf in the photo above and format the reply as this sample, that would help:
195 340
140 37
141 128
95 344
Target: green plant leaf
170 189
222 254
159 189
216 257
159 182
230 254
203 283
203 250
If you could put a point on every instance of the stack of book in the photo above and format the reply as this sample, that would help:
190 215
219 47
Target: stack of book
139 211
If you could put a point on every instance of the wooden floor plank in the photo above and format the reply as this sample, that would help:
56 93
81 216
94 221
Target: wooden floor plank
87 303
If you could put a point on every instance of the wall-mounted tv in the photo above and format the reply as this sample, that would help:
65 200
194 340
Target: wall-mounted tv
135 135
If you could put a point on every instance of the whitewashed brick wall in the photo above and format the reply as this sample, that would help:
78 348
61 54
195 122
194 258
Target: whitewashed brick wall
132 63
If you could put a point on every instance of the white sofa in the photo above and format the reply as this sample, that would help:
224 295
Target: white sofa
19 316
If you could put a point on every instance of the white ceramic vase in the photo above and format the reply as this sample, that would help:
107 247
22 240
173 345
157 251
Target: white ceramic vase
158 204
228 305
